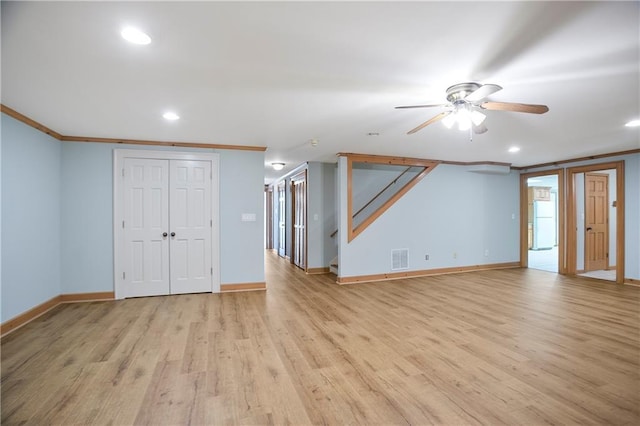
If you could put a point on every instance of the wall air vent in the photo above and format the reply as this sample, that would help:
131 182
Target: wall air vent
399 259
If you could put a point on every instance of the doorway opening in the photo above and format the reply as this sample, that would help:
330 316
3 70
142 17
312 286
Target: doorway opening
597 218
542 224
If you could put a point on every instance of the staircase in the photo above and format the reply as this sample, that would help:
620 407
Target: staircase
409 171
333 266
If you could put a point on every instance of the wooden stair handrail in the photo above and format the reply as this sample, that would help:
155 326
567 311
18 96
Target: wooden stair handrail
395 180
380 193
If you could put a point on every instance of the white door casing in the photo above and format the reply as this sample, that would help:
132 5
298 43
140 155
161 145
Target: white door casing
178 192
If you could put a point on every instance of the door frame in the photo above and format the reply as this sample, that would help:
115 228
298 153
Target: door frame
302 176
572 242
119 156
524 199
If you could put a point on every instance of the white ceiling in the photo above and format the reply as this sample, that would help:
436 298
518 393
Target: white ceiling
280 74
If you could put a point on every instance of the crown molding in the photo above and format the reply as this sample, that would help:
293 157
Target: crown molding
29 122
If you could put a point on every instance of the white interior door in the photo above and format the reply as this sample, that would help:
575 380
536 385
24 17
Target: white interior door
145 225
166 232
190 224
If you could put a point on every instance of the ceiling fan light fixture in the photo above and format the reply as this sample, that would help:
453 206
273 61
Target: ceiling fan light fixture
477 117
464 122
464 118
449 120
466 100
277 166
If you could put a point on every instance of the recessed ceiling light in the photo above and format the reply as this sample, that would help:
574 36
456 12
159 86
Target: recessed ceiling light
633 123
135 36
514 149
171 116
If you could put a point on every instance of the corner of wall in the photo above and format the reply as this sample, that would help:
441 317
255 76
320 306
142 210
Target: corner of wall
31 185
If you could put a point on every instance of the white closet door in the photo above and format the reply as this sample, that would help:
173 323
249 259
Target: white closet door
191 222
146 219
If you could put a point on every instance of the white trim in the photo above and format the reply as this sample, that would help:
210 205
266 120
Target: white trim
119 156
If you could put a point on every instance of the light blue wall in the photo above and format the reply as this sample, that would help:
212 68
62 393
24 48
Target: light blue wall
30 218
321 248
632 217
288 231
1 125
87 219
452 210
329 212
57 216
315 228
241 191
368 182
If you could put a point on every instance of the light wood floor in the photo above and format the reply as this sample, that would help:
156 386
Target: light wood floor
497 347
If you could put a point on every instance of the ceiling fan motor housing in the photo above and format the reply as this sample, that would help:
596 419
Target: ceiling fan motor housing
458 92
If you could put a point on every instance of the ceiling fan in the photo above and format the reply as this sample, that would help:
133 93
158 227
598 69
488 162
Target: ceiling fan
466 100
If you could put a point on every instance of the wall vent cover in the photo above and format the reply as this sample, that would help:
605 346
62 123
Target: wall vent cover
399 259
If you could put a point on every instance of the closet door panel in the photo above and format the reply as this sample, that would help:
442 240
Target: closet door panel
190 223
146 219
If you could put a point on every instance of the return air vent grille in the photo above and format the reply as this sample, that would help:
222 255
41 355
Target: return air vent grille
399 259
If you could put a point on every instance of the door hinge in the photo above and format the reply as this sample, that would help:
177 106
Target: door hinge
123 275
123 224
211 223
122 172
211 271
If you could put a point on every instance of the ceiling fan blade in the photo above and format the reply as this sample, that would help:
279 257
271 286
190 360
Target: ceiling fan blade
429 121
482 92
421 106
480 129
510 106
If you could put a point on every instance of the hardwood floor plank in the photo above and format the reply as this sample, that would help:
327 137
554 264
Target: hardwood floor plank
513 346
195 354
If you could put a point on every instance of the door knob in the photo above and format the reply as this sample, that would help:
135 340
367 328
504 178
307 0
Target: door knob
173 234
164 234
589 229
